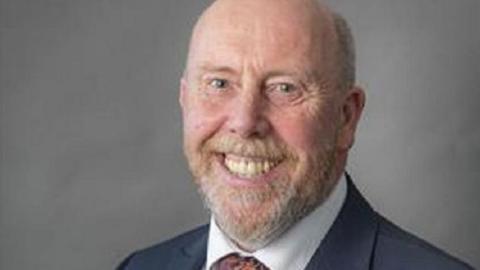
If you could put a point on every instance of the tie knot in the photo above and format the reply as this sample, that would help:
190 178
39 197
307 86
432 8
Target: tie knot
235 261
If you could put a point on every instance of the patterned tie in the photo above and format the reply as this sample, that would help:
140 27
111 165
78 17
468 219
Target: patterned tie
235 261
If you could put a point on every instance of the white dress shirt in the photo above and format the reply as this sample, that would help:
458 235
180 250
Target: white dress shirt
292 250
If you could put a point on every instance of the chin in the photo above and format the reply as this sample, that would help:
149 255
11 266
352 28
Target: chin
252 217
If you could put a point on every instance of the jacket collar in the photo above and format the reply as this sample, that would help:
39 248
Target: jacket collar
350 242
193 254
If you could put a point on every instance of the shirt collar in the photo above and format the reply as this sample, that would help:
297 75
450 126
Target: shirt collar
293 249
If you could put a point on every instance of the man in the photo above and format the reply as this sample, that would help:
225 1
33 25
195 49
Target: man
270 110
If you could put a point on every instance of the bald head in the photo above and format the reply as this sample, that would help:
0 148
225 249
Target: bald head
287 24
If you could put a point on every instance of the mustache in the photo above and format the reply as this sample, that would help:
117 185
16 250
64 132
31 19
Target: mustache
252 147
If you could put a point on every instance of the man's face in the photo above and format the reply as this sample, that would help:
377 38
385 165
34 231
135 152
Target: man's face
260 117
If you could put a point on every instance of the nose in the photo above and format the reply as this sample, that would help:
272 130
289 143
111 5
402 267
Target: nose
247 116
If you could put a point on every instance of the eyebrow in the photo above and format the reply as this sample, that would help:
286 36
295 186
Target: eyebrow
307 77
209 67
213 68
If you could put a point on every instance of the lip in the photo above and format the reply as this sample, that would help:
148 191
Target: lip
238 181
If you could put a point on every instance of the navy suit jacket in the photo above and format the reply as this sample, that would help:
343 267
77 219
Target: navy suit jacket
359 239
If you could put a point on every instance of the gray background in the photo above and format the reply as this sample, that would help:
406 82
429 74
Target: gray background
91 162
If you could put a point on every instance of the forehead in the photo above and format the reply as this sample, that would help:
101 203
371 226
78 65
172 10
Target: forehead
276 38
260 45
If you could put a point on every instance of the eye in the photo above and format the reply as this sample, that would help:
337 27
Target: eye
218 83
283 93
285 88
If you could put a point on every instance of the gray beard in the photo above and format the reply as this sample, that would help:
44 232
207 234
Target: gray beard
288 204
282 215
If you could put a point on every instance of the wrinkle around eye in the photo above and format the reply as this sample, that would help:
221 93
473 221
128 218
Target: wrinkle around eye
211 91
218 83
214 85
278 95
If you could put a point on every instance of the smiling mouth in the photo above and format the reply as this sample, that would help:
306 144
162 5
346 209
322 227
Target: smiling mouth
248 167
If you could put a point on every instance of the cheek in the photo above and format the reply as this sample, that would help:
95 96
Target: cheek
301 134
201 122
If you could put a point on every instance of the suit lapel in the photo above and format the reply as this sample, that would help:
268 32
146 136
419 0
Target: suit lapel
191 256
350 241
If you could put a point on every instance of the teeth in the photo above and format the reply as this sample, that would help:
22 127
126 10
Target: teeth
266 166
248 168
251 168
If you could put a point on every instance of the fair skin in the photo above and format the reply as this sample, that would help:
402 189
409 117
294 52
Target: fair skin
267 128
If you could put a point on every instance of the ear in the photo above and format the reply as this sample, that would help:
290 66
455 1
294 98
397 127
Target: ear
351 110
182 97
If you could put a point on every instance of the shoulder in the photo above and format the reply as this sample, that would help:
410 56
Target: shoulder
162 253
398 249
